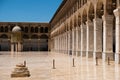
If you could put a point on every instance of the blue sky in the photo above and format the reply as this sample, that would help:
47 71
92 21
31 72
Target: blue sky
28 10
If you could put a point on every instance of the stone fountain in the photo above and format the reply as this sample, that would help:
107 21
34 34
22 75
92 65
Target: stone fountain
20 71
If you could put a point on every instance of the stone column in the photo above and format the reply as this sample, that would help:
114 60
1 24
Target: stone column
68 42
90 39
59 44
19 47
62 39
16 47
12 47
73 43
63 43
107 37
83 40
117 34
98 34
77 43
54 45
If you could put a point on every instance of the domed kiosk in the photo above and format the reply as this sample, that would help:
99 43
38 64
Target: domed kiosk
16 39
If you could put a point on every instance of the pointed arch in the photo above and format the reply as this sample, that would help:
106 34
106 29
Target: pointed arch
79 19
84 16
91 14
99 9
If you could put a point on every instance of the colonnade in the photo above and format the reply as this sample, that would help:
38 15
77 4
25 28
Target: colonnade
95 32
16 47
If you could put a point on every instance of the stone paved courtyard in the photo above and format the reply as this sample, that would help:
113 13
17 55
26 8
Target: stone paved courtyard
40 66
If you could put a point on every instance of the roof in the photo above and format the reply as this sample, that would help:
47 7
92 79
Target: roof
61 5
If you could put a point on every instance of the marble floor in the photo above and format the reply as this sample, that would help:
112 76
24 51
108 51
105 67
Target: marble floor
40 66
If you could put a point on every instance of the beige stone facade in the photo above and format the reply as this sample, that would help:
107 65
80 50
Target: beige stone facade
87 28
31 37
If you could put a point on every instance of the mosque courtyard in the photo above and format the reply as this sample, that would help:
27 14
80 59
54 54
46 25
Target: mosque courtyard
41 67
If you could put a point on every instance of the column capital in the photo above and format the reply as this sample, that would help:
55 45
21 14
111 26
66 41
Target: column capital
117 12
107 17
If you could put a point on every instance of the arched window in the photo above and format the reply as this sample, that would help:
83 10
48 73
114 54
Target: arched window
26 29
25 36
32 29
34 36
44 36
4 36
2 29
22 28
6 29
11 27
36 29
41 30
46 29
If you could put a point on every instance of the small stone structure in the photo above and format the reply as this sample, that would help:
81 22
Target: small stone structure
20 71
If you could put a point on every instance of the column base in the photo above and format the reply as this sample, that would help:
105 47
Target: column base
83 53
78 53
98 55
90 54
74 53
106 55
70 52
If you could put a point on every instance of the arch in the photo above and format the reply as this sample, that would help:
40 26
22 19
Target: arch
22 28
4 36
110 6
25 36
71 24
79 19
91 14
41 30
32 29
26 29
99 9
114 3
84 16
11 27
44 36
34 36
46 29
36 29
1 29
84 1
6 29
75 20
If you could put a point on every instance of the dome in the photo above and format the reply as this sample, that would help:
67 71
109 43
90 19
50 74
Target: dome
16 29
